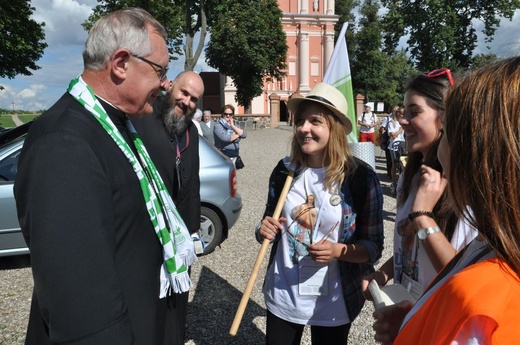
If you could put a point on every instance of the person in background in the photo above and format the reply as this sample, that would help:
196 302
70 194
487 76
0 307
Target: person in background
368 121
395 139
427 232
227 134
172 140
207 126
197 117
327 233
98 264
383 129
474 300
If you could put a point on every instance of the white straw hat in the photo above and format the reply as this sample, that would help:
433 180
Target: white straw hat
328 96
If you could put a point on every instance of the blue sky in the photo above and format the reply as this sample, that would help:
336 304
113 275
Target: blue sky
65 37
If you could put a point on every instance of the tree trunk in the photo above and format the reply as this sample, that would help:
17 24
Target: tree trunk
192 58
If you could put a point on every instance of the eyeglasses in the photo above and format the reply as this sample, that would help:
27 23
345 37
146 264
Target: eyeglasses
161 73
441 71
228 114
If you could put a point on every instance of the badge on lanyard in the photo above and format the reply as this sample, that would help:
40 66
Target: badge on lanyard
313 277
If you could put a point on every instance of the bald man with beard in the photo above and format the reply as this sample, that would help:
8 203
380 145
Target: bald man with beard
172 141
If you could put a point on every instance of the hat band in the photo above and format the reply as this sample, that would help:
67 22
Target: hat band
321 99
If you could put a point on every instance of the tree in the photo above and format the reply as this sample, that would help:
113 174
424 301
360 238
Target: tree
367 61
22 40
345 10
171 14
442 32
481 60
378 75
247 44
192 26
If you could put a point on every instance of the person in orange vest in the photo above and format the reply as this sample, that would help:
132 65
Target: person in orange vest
476 297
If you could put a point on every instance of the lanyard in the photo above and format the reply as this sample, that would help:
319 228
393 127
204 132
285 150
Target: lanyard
185 147
178 158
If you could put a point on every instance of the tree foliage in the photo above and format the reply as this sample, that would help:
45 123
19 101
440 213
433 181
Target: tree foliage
345 10
481 60
22 40
247 44
442 33
367 53
377 75
171 14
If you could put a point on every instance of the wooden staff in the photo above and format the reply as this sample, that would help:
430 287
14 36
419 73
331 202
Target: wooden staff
259 259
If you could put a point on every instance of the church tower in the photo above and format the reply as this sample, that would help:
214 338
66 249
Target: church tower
309 27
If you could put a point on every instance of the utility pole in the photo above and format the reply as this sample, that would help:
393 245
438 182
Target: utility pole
12 102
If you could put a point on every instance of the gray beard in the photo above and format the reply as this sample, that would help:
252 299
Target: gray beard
174 123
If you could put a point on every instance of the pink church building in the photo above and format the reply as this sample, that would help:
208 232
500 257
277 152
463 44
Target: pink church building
309 27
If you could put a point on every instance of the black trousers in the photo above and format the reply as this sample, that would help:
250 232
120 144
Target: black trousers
388 157
281 332
175 330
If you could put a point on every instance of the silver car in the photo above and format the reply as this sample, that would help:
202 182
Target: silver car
220 202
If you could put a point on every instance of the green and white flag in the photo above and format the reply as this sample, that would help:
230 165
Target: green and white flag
338 75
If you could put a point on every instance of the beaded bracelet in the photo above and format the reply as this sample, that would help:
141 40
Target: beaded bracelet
413 215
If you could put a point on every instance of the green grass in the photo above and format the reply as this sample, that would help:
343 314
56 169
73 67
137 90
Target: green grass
7 120
27 118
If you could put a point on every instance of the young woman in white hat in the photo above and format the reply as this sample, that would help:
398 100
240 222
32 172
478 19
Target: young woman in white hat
330 230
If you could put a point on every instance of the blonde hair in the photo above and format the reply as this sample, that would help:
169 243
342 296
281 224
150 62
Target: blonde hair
338 159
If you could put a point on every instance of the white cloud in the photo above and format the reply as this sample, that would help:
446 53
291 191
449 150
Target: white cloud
27 93
61 60
506 42
31 98
65 37
63 19
6 95
33 91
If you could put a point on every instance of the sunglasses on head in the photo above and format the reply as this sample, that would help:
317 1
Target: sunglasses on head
439 72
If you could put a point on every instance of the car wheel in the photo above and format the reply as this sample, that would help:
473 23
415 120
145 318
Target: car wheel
210 229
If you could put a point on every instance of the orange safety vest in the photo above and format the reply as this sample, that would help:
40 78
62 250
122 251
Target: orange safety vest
489 288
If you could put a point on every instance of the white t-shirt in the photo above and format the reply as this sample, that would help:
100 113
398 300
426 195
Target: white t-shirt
369 118
384 121
424 271
281 288
394 126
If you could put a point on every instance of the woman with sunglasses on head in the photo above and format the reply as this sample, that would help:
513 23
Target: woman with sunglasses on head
227 134
328 233
427 232
475 299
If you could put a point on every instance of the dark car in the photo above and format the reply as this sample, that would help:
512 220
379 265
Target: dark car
220 203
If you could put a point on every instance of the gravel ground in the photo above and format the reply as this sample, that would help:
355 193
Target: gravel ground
219 279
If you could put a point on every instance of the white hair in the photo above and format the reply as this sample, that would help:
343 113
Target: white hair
197 115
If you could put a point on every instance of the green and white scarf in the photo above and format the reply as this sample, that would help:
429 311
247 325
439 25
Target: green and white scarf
177 244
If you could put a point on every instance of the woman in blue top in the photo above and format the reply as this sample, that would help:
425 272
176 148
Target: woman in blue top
227 134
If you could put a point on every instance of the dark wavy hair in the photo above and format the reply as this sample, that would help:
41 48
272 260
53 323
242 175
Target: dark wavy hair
434 91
